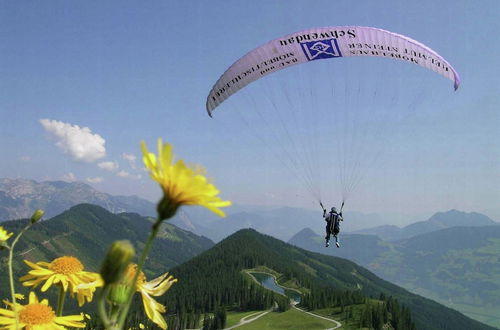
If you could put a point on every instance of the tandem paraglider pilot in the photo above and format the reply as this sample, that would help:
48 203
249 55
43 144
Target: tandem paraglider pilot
332 219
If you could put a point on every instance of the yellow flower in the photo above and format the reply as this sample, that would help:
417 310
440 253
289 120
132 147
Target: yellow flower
65 271
156 287
37 315
4 236
181 184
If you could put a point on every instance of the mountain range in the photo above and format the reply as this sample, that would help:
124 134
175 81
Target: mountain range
86 231
19 198
439 220
279 222
223 267
457 266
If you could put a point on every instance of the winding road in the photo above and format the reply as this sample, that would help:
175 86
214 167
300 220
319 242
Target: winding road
337 323
250 318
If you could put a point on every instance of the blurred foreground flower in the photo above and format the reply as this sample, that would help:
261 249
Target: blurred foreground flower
182 185
116 261
4 236
156 287
65 271
37 315
37 215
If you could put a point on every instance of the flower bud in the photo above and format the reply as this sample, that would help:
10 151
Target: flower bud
116 261
37 215
118 294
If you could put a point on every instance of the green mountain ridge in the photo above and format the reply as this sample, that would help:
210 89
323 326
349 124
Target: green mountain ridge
209 278
456 266
86 231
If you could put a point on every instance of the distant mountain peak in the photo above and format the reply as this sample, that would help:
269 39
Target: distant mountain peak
455 217
19 198
304 233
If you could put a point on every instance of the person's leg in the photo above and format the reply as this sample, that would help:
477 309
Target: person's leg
336 231
327 237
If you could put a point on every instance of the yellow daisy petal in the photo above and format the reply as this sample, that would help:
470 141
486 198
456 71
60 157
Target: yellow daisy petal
156 287
182 185
4 235
153 310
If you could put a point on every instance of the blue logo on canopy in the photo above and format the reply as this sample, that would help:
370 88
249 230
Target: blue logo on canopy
315 50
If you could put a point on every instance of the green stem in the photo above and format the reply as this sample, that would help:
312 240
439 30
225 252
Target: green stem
11 272
101 308
145 252
60 300
115 310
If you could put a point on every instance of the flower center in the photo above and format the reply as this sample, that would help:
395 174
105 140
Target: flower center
36 314
66 265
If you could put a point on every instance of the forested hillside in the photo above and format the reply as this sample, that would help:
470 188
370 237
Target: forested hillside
215 278
86 231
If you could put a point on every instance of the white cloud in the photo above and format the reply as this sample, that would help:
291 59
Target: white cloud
95 180
25 158
69 177
125 174
108 166
131 159
79 142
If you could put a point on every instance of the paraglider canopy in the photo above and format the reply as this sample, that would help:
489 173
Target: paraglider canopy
325 43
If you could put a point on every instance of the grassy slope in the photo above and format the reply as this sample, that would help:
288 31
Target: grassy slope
234 317
291 319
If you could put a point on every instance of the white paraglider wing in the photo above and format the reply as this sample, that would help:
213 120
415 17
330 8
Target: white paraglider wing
325 43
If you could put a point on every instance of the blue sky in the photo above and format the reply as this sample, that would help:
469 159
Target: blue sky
131 71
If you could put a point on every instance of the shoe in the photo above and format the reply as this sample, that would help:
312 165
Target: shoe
327 244
338 244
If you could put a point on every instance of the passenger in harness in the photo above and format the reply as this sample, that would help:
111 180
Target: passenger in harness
332 219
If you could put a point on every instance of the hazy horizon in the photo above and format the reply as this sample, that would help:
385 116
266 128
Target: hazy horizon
389 218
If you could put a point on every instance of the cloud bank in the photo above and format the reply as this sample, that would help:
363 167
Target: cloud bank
79 142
